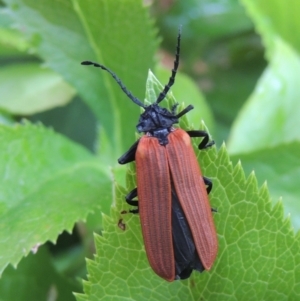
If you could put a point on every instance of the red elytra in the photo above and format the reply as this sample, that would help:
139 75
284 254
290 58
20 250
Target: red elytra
156 167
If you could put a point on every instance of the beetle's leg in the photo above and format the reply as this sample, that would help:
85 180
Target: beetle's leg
204 143
130 196
129 199
208 183
129 156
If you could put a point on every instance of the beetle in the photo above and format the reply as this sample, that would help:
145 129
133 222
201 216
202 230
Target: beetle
175 214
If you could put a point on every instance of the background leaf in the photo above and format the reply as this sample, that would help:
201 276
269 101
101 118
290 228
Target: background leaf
269 119
64 33
278 19
31 273
38 89
273 103
281 175
34 211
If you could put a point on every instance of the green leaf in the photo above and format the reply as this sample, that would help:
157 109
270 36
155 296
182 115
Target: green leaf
48 184
39 89
230 88
279 19
118 34
12 42
258 257
271 115
31 283
282 174
6 119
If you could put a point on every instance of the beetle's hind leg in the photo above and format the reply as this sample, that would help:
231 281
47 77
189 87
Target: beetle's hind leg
208 183
129 200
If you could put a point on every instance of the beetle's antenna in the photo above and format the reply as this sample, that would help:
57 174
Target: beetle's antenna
128 93
187 109
163 94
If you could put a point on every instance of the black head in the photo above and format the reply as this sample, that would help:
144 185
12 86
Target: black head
155 118
156 121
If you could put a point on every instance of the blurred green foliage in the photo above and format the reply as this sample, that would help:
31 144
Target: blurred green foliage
239 67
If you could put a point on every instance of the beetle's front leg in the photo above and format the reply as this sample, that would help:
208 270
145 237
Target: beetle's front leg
129 199
204 143
129 156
